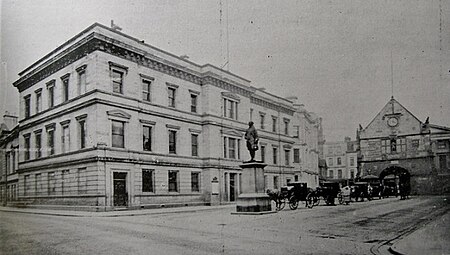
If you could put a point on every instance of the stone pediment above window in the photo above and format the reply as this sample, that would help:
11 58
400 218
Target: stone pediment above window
118 114
232 132
231 96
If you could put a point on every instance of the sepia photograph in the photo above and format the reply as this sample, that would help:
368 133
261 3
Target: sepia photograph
225 127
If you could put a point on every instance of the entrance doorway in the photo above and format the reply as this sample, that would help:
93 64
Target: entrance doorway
232 187
120 189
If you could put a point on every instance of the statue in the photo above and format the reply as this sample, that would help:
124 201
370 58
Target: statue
252 140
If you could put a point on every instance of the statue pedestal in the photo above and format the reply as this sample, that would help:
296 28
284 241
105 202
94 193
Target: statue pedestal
253 199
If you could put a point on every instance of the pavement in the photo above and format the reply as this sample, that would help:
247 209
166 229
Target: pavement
431 238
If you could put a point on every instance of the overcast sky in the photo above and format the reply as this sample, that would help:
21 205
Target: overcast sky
334 55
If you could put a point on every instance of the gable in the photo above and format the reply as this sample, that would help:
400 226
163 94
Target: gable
393 119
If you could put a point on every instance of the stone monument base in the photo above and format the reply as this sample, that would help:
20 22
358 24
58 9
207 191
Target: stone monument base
253 200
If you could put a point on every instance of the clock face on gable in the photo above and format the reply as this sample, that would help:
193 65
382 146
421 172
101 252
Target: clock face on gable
392 122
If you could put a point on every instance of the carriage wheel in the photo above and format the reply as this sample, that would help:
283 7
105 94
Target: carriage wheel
340 198
293 203
280 204
310 198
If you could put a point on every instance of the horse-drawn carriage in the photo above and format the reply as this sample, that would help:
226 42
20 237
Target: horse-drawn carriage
328 191
293 193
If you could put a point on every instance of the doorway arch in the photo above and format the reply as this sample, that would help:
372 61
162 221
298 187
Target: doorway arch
396 180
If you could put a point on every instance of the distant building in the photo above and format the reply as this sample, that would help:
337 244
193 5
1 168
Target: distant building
397 146
109 121
9 158
341 160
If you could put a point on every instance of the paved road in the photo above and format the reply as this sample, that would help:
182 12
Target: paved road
355 229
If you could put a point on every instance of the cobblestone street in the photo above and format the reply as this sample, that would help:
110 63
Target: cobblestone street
360 228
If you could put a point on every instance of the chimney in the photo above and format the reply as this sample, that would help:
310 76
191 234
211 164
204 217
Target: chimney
10 120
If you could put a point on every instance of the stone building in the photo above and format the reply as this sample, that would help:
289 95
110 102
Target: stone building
107 121
341 160
397 145
9 151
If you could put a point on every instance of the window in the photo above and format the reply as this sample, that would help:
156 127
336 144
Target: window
286 157
38 101
81 79
117 80
288 180
275 155
296 155
51 93
146 86
26 184
262 120
195 182
339 161
194 145
38 143
385 146
275 182
296 178
441 144
263 153
339 173
118 137
393 145
81 180
330 161
251 114
352 161
231 148
27 146
442 162
352 174
38 185
65 87
82 132
286 126
13 159
230 108
330 174
148 184
415 143
27 106
172 93
172 141
65 139
401 144
193 103
173 181
51 183
64 178
51 141
8 162
147 138
274 124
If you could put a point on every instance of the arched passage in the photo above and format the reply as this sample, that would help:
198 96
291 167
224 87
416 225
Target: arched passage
396 180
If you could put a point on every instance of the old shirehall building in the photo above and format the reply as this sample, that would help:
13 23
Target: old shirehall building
107 121
398 146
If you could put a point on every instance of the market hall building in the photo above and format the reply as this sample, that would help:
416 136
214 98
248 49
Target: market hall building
108 121
397 147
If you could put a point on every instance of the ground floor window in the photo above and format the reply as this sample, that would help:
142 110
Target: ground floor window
173 181
147 180
275 182
195 181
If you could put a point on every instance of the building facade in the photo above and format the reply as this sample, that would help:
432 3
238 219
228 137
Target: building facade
341 160
9 153
396 144
107 120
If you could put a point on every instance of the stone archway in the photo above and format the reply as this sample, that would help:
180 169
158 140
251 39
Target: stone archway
396 180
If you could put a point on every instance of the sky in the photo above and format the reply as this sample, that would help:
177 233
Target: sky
342 59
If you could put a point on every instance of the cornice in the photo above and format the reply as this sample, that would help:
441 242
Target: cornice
270 105
96 41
